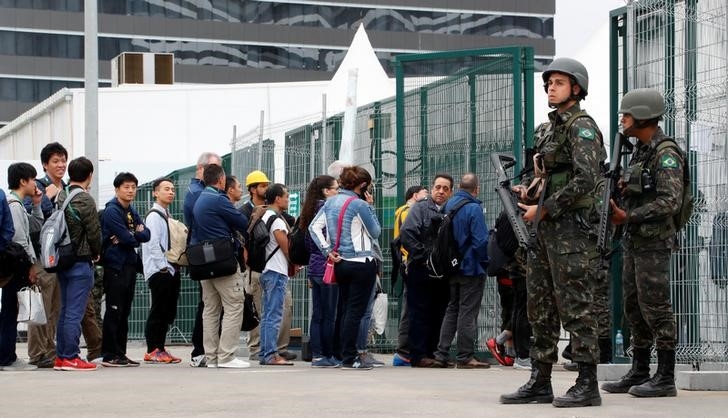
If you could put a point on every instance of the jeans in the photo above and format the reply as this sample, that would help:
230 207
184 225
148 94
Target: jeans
324 298
461 316
427 300
9 322
119 288
164 288
76 284
366 324
274 293
356 281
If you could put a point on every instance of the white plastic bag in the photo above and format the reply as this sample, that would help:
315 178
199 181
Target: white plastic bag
379 312
30 306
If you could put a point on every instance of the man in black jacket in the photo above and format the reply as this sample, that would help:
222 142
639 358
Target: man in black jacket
426 298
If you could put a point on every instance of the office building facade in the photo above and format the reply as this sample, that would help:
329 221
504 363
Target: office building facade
237 41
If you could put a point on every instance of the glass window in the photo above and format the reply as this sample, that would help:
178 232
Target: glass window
8 89
7 42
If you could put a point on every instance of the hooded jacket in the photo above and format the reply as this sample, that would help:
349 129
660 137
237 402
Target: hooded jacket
121 222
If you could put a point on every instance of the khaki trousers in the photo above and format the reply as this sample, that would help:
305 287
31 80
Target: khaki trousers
42 338
222 294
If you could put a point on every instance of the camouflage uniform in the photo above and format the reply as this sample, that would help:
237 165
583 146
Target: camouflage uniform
563 267
649 242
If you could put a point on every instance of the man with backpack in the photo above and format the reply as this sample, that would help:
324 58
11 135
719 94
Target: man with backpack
85 233
257 184
427 297
654 187
162 276
470 236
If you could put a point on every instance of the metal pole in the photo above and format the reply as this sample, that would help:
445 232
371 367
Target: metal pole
232 150
324 131
91 84
260 140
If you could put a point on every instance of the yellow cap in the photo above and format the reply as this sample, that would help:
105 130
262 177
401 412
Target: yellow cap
256 177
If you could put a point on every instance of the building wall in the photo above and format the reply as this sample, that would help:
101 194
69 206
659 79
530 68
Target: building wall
232 41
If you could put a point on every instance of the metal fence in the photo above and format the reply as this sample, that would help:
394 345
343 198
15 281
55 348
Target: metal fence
679 48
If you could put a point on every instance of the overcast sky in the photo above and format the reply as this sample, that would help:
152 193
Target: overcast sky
581 30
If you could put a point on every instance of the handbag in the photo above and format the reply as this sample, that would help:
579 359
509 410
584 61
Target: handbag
30 306
329 275
211 259
251 319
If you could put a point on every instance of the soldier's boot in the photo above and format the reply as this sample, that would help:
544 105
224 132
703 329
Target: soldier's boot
571 366
663 382
605 350
585 392
637 375
536 390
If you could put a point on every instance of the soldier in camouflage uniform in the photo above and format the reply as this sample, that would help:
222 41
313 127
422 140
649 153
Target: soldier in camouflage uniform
653 189
563 264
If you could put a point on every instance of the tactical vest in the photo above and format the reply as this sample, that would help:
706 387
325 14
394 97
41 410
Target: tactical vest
557 160
641 189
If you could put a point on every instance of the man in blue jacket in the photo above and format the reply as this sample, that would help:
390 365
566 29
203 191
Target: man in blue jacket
122 232
466 288
197 357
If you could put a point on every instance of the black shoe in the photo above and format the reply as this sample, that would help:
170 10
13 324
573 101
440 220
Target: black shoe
567 353
288 355
637 375
536 390
585 392
131 362
663 382
571 366
115 362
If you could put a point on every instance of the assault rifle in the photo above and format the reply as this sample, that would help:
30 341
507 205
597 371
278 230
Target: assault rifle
613 174
502 162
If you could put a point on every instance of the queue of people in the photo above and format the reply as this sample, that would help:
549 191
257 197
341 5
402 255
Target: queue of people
558 281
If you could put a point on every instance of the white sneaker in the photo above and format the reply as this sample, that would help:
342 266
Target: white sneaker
198 361
19 365
522 364
235 363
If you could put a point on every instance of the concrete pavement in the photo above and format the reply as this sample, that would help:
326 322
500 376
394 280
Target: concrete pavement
300 391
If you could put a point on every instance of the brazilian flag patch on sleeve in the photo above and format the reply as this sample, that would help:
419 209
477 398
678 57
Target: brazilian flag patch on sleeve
668 161
587 133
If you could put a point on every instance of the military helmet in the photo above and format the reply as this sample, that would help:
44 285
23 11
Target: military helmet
643 104
256 177
570 67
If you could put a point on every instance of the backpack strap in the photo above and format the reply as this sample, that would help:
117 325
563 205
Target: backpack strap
73 193
268 224
166 221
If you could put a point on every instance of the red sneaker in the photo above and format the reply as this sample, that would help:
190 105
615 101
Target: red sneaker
77 365
497 351
57 364
169 357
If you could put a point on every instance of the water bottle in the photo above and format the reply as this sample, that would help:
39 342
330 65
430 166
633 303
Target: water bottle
619 344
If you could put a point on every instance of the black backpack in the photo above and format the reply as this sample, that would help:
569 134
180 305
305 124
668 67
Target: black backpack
297 251
258 239
445 258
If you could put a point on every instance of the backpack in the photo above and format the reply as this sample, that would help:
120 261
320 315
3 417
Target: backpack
258 239
445 258
176 240
298 252
687 203
57 252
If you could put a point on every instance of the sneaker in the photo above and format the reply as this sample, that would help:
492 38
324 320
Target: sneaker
336 362
496 350
368 358
324 363
57 364
509 361
198 361
522 364
115 362
131 362
357 365
235 363
77 365
276 361
170 358
153 357
19 365
44 363
400 360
